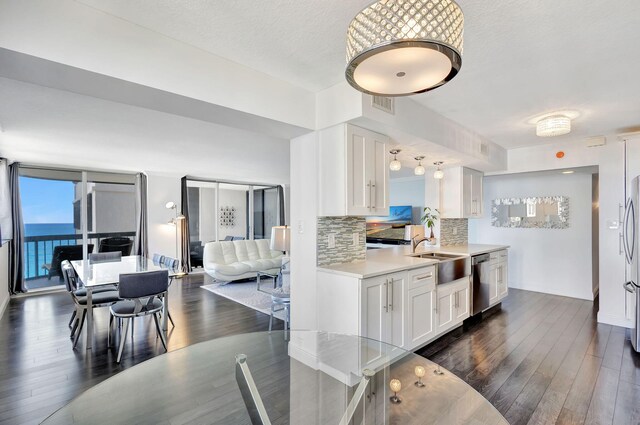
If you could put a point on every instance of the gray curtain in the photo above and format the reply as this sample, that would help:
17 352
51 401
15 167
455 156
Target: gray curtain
141 241
6 222
16 247
184 228
282 218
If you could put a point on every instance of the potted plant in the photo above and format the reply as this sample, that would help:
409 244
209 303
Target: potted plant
429 218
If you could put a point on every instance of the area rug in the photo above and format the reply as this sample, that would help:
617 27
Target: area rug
247 294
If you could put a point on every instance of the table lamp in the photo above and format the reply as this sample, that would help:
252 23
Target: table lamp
281 241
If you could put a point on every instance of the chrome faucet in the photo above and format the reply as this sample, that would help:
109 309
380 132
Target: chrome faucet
415 243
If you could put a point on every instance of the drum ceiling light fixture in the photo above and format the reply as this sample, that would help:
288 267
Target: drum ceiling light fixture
404 47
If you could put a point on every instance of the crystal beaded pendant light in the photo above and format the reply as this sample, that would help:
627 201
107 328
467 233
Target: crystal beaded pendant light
555 125
395 165
403 47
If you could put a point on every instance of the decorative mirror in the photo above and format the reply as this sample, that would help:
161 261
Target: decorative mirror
548 212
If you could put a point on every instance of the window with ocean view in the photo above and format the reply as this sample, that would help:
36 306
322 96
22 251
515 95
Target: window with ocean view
53 219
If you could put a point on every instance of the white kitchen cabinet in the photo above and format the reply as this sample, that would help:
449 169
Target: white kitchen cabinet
462 302
493 282
421 325
461 193
503 274
383 308
354 172
445 305
452 305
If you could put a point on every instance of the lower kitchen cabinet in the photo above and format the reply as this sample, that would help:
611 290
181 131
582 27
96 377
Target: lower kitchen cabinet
382 306
452 305
421 323
406 309
498 276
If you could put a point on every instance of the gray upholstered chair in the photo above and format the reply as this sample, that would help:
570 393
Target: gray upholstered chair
105 257
141 295
101 297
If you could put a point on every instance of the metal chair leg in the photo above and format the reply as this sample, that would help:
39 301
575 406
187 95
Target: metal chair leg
79 332
271 318
160 332
76 322
73 316
132 325
170 318
123 339
109 330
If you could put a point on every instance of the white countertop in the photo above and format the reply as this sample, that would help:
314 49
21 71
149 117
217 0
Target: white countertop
397 258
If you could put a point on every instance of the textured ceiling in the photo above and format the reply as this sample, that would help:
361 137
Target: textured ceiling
521 57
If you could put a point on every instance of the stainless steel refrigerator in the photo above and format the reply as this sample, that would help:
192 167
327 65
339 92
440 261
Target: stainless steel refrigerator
630 241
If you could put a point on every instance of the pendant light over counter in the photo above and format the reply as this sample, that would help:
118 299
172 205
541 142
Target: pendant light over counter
419 170
404 47
438 174
395 165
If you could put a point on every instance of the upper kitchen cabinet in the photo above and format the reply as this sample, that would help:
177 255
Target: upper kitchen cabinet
461 193
354 172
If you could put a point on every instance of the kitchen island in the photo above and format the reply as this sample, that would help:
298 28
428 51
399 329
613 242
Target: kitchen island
394 296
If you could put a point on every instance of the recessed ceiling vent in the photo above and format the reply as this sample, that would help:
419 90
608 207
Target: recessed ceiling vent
593 142
383 103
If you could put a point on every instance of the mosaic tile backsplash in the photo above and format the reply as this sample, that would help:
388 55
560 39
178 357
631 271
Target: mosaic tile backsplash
343 228
447 237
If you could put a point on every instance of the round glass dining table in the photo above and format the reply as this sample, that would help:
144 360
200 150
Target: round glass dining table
297 377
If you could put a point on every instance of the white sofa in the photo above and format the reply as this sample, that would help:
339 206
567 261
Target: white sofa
233 260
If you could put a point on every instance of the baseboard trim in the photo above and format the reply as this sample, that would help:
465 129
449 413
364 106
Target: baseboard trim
550 291
614 320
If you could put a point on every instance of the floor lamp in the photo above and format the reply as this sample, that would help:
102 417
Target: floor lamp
177 221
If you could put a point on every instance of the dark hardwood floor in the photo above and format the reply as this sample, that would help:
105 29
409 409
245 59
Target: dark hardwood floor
540 359
40 372
543 359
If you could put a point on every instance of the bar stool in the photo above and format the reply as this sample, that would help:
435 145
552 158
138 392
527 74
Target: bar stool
280 301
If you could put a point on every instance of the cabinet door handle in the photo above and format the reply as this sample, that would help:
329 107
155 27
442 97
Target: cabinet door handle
369 203
425 276
386 295
620 241
391 289
375 195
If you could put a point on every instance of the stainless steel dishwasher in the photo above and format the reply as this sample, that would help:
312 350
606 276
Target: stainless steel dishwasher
481 283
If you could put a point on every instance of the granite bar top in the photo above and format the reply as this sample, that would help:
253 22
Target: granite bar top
398 258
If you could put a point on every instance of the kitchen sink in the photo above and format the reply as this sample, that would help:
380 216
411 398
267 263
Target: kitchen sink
437 256
450 267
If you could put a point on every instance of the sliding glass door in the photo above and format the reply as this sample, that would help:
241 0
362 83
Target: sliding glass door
220 211
69 214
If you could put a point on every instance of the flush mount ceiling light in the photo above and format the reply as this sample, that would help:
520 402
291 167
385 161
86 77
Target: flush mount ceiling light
419 170
395 165
403 47
555 125
438 174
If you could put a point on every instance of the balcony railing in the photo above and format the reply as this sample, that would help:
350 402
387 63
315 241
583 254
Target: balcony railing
38 250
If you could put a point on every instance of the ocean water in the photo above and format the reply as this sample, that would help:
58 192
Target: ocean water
33 264
43 229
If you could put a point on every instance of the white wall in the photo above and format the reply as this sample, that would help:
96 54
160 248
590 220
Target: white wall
554 261
160 190
408 191
238 200
304 214
615 308
4 278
